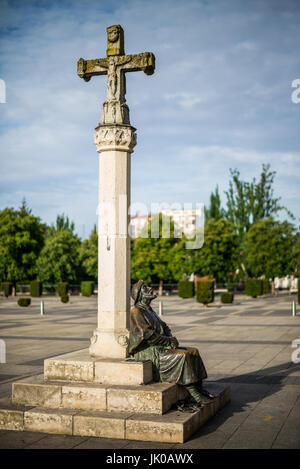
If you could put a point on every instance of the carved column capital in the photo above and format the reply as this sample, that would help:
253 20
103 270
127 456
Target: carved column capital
115 137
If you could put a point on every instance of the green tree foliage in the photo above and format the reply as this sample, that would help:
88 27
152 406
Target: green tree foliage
59 258
62 223
249 202
150 257
214 210
181 260
88 254
217 257
21 240
270 249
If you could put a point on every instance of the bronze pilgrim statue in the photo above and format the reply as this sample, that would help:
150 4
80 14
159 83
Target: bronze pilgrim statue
151 339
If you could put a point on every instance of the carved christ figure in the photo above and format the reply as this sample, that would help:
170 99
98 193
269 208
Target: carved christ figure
115 65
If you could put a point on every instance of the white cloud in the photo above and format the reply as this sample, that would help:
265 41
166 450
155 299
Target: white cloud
220 98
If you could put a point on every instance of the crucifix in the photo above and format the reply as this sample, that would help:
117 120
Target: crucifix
115 65
115 140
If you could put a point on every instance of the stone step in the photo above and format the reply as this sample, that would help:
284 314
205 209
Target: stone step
172 427
155 398
79 366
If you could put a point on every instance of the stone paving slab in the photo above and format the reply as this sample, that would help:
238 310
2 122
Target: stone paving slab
222 334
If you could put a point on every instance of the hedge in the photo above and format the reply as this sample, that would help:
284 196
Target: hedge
24 301
227 297
205 291
265 286
62 288
7 288
36 288
87 288
254 287
64 298
186 289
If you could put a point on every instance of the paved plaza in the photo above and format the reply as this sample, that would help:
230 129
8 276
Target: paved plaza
247 344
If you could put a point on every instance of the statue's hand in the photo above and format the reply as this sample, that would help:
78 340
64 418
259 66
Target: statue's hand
174 342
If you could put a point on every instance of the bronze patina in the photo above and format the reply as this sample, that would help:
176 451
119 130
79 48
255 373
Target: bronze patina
151 339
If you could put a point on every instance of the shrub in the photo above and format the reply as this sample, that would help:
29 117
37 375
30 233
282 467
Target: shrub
265 286
186 289
205 291
24 301
62 288
254 287
298 286
227 297
64 298
36 288
7 288
87 288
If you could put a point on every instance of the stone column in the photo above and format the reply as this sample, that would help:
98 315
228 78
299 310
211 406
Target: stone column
115 143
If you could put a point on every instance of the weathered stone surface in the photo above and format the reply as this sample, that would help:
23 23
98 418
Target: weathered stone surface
100 424
33 391
173 427
11 416
83 397
123 372
151 399
70 367
133 424
79 366
58 421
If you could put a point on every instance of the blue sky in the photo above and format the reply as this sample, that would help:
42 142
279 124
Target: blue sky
220 98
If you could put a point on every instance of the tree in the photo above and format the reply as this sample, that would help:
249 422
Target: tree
270 249
181 260
59 258
21 240
88 255
62 223
249 202
150 257
217 257
214 210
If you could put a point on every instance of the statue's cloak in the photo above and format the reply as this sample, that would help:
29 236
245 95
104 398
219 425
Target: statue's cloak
150 340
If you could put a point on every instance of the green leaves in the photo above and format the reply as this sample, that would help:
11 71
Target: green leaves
88 255
59 258
271 249
21 240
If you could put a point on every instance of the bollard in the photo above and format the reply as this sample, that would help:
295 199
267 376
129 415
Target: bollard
42 308
294 308
160 308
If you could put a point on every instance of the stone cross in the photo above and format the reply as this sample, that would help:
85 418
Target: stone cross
115 110
115 140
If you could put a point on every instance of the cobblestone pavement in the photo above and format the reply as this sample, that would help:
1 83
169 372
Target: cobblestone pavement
247 344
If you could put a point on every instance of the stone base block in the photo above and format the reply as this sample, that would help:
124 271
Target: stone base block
156 398
172 427
58 421
79 366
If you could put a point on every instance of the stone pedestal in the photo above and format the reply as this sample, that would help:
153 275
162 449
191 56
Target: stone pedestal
115 143
107 398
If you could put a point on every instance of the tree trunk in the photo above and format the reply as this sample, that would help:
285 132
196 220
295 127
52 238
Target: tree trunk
160 290
273 287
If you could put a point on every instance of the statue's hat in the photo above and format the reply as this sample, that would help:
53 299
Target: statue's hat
136 290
